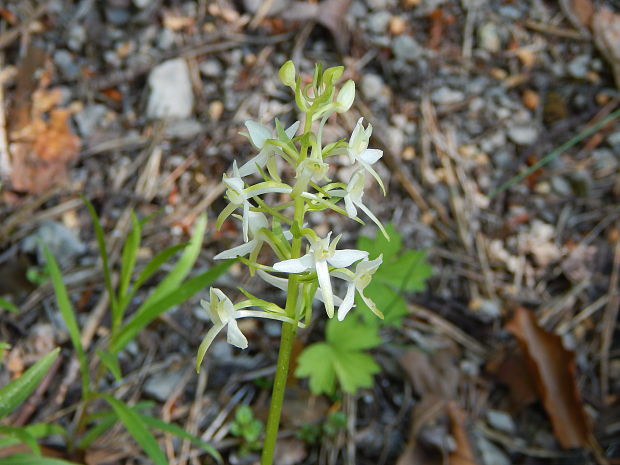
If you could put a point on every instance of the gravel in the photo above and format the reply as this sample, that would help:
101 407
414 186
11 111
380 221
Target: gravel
171 94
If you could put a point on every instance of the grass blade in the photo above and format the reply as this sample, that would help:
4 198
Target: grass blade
181 433
27 459
183 266
8 305
111 363
128 262
22 436
68 315
14 393
137 428
555 153
146 314
107 277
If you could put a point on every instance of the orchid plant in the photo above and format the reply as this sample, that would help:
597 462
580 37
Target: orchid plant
306 263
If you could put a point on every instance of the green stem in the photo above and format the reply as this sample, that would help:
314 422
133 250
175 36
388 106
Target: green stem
286 346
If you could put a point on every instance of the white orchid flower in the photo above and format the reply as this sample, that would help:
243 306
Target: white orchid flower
358 150
312 168
353 198
239 197
256 222
224 313
260 135
321 254
282 284
358 280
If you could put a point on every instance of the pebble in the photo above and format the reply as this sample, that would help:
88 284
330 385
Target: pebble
447 96
372 86
523 134
490 453
493 141
161 385
166 39
378 22
605 163
142 3
614 139
171 93
488 37
77 37
561 186
578 67
183 129
65 62
501 421
117 16
61 241
491 309
406 48
89 117
211 68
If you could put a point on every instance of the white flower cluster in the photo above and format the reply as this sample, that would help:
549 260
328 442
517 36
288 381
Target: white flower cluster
309 274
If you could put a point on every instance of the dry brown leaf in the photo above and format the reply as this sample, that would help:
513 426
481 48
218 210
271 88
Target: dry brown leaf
606 31
463 453
553 369
510 369
579 13
42 144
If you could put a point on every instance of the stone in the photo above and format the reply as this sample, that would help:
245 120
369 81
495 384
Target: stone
406 48
578 67
171 93
211 68
61 241
523 134
161 385
501 421
489 39
65 62
561 186
183 129
372 86
378 22
142 3
447 96
89 117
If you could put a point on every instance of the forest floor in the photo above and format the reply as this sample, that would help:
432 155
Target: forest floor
508 355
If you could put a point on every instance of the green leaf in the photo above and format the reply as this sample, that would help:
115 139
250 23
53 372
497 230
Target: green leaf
107 277
340 357
146 314
351 335
137 428
22 436
14 393
380 245
36 431
111 363
316 363
388 301
68 315
156 263
407 273
128 261
27 459
96 431
355 370
181 433
176 276
8 305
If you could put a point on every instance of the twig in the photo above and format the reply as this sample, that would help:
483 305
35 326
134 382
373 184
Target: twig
13 34
609 322
5 157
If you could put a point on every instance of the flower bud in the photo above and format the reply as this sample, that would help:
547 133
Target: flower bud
287 74
345 97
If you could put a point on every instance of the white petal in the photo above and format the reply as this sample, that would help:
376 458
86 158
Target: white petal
250 167
350 207
239 251
292 129
235 336
347 303
345 257
371 305
235 184
246 220
325 284
295 265
280 283
258 133
370 156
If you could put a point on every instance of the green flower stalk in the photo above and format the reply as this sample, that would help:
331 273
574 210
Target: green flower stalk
306 263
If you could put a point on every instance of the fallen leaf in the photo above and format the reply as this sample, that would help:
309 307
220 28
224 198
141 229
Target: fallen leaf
42 142
510 368
553 369
463 453
606 31
579 13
